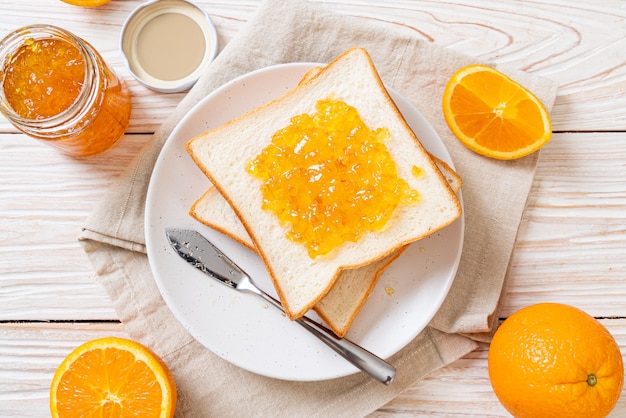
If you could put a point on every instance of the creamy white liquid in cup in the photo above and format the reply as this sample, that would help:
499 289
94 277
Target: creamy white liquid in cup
167 44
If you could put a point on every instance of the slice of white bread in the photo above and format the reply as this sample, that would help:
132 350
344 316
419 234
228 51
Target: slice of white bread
224 153
343 302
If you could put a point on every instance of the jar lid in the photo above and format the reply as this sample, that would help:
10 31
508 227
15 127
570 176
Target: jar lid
167 44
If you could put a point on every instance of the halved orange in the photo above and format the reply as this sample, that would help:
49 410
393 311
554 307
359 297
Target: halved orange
112 377
86 3
493 115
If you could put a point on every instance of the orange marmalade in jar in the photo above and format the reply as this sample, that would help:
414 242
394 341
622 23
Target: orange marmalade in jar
56 87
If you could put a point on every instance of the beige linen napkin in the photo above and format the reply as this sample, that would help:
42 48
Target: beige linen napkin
494 194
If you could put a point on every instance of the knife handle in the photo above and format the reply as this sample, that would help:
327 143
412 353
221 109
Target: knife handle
364 360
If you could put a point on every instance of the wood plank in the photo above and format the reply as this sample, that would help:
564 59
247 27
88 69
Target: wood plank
572 240
578 43
44 199
30 354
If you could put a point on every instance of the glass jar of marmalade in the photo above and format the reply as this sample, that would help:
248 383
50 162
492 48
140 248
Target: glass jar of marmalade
56 87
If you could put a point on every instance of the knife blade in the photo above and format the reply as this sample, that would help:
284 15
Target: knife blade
200 253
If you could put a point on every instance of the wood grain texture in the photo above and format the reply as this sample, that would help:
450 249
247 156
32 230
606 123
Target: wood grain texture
572 240
30 354
44 199
578 43
571 246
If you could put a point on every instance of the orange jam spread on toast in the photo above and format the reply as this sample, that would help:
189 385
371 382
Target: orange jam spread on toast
45 78
417 171
329 178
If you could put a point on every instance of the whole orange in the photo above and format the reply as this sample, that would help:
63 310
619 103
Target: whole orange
554 360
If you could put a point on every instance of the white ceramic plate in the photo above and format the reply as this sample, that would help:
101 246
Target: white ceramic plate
242 328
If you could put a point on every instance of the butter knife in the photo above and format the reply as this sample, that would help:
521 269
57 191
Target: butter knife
199 252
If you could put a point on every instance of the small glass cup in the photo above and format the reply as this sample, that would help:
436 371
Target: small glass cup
56 87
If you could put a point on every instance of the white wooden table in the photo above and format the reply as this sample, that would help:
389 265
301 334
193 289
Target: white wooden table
571 246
